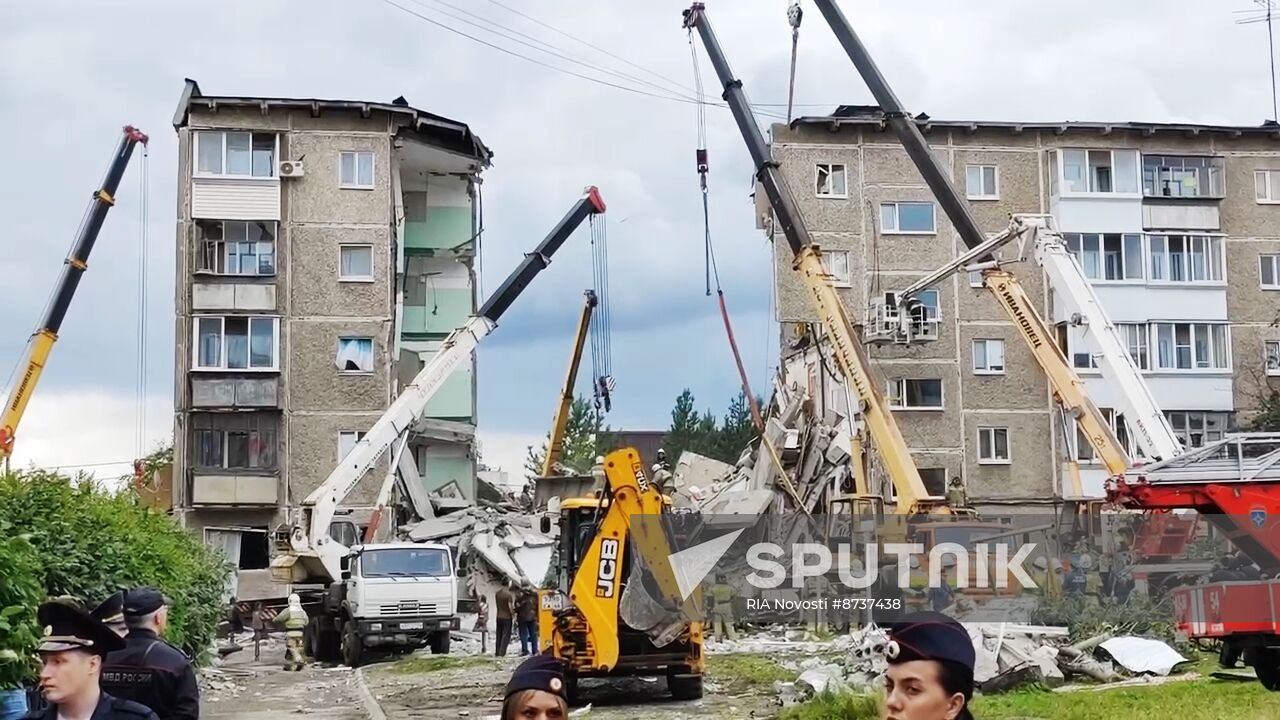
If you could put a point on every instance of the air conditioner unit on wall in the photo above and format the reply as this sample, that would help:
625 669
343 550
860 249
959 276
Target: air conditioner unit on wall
290 168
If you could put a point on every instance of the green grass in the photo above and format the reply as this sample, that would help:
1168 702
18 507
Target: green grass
436 663
1205 699
738 672
829 706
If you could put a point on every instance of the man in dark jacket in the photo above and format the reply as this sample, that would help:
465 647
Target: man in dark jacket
504 609
71 656
149 670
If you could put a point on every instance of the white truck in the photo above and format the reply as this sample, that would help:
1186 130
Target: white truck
399 595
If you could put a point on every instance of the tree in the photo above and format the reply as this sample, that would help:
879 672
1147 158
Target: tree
702 433
581 441
1268 417
738 429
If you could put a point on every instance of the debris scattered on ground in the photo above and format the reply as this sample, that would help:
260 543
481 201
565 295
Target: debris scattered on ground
1143 655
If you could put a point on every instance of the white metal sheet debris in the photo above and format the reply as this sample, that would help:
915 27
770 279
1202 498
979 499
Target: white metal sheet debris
1143 655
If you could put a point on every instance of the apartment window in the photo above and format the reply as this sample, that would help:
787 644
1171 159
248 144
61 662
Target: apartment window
830 181
1269 271
234 440
915 394
1186 258
975 278
1266 185
988 357
1115 421
1178 176
1135 337
355 262
1195 429
1107 256
907 217
235 343
1100 171
836 263
236 247
355 355
1192 346
347 440
355 169
242 154
982 182
935 481
993 445
1271 353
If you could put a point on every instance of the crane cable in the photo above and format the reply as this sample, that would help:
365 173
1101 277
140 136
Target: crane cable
709 249
140 379
794 15
602 382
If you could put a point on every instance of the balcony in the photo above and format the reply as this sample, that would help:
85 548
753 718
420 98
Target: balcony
235 392
234 488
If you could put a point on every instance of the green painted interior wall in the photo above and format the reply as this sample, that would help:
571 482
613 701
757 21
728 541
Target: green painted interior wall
451 306
443 228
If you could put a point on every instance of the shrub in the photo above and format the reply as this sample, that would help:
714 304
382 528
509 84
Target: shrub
19 594
90 542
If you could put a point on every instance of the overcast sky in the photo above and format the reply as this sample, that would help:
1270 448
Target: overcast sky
74 72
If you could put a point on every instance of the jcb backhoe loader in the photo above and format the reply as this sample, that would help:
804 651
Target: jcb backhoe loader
617 609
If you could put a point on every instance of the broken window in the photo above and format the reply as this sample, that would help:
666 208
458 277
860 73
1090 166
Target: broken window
347 440
915 394
237 342
355 262
355 169
993 445
235 247
981 182
234 441
830 181
355 354
238 153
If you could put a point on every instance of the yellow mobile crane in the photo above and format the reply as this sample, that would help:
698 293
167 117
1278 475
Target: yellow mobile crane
42 340
913 498
560 422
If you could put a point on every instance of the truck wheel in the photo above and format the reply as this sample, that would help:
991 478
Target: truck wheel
685 686
439 643
570 687
352 649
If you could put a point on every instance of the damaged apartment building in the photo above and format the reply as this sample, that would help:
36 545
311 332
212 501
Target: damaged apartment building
324 250
1173 224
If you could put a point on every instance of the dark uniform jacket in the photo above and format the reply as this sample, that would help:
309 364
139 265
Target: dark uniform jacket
154 673
109 708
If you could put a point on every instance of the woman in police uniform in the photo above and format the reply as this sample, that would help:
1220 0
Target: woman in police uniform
930 669
536 691
71 656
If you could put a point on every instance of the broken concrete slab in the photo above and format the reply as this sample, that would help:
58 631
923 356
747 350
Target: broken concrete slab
441 527
699 470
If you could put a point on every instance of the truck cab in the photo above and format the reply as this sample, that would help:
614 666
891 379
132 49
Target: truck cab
392 596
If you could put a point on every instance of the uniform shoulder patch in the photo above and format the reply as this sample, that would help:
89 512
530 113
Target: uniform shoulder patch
131 707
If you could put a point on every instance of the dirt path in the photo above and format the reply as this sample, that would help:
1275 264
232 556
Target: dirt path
427 688
242 688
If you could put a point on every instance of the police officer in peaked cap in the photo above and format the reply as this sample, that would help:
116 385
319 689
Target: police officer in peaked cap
930 673
149 670
110 612
72 651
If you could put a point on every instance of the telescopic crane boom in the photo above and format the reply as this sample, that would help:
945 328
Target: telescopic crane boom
42 340
559 424
853 362
309 543
1152 430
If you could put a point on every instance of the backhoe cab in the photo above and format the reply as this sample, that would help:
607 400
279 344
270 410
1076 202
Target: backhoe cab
616 609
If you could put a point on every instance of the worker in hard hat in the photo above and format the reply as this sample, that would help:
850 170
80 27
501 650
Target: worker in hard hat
598 479
722 595
956 496
294 619
662 471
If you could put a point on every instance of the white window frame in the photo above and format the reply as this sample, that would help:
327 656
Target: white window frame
222 329
1158 244
355 278
1272 259
1267 181
837 280
975 279
896 393
1142 333
1192 329
1271 357
373 354
1213 174
1008 446
1184 431
831 168
202 135
1117 424
373 170
359 435
994 194
885 229
1090 189
223 253
1098 243
989 369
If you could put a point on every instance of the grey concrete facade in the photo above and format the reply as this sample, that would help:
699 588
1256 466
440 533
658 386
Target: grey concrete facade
1018 399
281 358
